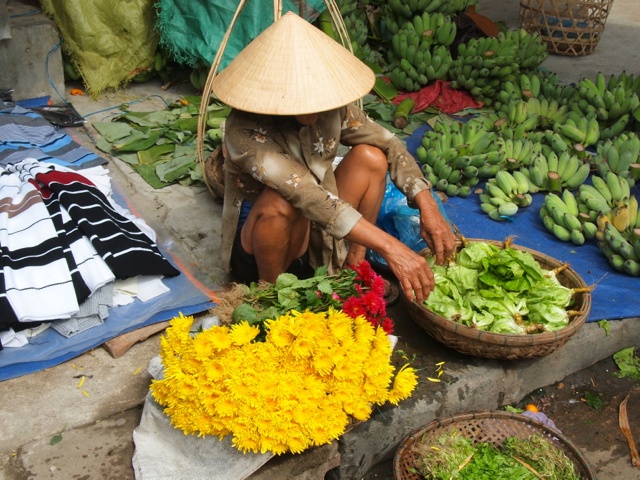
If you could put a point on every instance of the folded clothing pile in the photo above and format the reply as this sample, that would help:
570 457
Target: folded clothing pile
61 241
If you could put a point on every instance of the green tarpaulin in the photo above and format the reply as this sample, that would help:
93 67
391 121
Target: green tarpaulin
108 40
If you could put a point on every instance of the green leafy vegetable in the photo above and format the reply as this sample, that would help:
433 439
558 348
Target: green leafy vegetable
501 290
628 362
593 400
453 456
604 324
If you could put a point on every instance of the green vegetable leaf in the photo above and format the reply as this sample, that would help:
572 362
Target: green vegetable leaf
57 438
511 409
604 324
285 280
593 400
244 312
628 362
325 287
268 314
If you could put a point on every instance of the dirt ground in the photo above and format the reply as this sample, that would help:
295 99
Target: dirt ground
585 407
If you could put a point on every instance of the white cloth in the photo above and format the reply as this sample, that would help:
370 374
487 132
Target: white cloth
163 452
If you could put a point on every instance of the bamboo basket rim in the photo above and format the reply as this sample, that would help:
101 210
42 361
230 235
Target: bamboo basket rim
509 340
402 459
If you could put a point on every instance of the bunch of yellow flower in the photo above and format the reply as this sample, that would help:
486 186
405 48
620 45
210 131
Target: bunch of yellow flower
295 390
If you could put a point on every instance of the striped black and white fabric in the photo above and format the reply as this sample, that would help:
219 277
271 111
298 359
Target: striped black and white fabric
61 240
37 281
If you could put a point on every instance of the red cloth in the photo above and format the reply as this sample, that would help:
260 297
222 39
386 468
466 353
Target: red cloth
441 96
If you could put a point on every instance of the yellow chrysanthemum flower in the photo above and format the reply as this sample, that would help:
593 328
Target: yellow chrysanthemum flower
243 333
403 384
220 338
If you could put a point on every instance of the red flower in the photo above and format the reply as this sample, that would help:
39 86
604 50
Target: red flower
369 301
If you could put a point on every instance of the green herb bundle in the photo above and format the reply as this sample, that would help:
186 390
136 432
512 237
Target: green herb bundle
453 456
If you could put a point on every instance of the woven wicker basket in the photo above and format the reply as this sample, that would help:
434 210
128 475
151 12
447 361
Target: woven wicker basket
479 343
569 27
492 427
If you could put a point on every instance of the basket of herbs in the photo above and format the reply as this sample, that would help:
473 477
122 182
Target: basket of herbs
502 301
496 445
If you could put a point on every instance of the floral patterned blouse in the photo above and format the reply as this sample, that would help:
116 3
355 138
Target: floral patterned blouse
298 161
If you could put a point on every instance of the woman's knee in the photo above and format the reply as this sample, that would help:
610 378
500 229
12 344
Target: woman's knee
272 205
372 157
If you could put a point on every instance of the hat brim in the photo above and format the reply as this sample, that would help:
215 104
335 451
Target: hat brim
293 68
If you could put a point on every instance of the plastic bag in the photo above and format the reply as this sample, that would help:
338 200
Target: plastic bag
397 218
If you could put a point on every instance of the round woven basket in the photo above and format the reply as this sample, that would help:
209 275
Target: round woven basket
569 27
479 343
493 427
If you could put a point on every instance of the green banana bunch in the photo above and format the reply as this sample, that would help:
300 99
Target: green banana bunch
553 172
417 58
591 203
518 115
468 138
70 71
449 7
612 100
482 64
620 155
519 153
455 155
551 89
555 141
198 78
618 236
579 131
531 49
549 112
604 195
505 194
561 216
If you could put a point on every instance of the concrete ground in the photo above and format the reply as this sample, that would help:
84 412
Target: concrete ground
96 430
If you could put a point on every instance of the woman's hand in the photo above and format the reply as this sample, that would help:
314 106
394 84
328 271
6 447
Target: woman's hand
412 271
435 228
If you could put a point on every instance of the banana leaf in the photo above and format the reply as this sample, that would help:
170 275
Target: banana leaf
180 137
183 161
385 90
149 119
155 153
148 173
186 124
140 139
113 131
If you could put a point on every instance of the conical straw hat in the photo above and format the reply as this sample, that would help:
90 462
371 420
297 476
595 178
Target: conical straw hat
292 68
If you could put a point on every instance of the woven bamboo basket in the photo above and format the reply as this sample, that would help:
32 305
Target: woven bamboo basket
485 427
569 27
479 343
